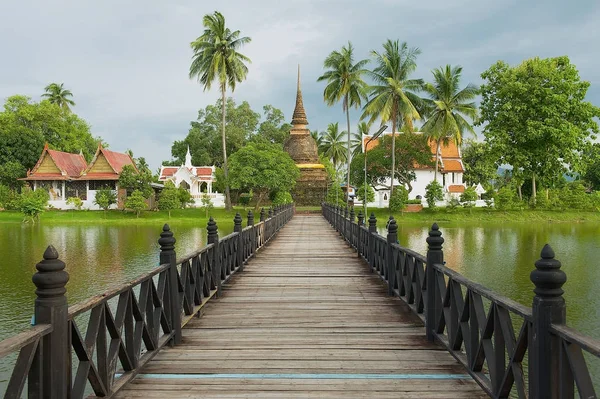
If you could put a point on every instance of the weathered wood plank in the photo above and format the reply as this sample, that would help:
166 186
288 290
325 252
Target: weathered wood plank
304 306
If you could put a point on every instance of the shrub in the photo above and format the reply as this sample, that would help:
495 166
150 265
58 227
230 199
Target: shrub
453 203
32 203
245 198
105 198
398 199
207 204
136 202
433 193
414 201
573 196
76 202
282 197
185 198
169 199
469 196
9 199
506 199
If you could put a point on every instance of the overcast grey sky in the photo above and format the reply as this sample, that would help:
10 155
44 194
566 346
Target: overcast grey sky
127 62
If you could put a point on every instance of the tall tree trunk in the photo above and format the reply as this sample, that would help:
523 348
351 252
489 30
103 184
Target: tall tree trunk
225 170
348 155
437 158
394 116
519 192
533 188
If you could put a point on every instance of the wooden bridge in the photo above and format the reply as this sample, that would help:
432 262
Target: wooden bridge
295 308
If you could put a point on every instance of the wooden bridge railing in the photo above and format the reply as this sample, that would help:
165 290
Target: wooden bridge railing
492 336
105 340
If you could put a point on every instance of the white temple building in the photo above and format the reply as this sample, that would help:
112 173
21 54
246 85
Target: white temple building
198 180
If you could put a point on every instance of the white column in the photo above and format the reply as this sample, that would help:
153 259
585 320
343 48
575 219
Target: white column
63 190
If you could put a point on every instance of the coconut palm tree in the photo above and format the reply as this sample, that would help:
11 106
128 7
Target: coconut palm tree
57 94
392 96
333 145
318 137
363 129
449 106
216 57
344 82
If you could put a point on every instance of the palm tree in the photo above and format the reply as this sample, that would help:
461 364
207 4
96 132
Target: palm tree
392 96
333 144
318 137
344 82
58 95
216 57
363 129
449 106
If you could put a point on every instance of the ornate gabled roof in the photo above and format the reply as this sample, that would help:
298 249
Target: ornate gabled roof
116 160
299 117
70 166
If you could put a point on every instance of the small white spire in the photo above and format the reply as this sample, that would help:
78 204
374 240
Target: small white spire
188 158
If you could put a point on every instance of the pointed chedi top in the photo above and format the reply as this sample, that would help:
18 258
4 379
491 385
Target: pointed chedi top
299 117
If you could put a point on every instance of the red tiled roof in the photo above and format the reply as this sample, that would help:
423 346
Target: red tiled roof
46 176
117 159
203 171
453 165
71 164
456 188
169 171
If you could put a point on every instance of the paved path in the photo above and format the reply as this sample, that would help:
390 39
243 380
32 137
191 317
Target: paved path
305 319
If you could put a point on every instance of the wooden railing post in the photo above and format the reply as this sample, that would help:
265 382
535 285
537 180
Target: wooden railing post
237 228
253 232
345 226
372 232
361 223
392 238
270 213
548 307
51 308
351 226
435 255
168 256
213 238
262 214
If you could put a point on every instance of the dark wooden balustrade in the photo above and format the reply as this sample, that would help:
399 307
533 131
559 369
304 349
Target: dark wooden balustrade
475 324
97 346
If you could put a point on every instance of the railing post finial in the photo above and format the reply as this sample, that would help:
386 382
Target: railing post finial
392 238
435 255
346 212
548 308
237 222
166 241
212 230
51 308
372 223
250 218
168 256
270 212
262 214
213 238
361 218
352 214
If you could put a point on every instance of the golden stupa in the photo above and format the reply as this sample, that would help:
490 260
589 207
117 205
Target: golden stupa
311 186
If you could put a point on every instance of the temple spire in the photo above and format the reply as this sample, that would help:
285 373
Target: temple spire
299 117
188 158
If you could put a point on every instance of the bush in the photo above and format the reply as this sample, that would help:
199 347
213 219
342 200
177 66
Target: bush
453 203
414 201
398 199
185 198
136 202
282 197
245 198
169 199
9 199
32 203
105 198
207 204
433 193
573 196
76 202
506 199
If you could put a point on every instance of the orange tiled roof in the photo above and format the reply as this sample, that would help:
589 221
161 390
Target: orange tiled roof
200 171
456 188
117 159
70 165
453 165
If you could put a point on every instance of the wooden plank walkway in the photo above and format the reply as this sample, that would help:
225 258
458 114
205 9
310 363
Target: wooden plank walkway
305 319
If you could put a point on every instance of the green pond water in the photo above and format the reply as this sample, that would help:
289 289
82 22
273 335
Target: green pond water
498 256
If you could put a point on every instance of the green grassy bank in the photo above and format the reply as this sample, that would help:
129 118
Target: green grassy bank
197 216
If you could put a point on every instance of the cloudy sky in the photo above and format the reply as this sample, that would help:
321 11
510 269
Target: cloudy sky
127 61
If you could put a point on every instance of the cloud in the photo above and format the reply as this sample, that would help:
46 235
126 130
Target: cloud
127 62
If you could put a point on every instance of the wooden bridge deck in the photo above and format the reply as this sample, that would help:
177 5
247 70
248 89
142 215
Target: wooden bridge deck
305 319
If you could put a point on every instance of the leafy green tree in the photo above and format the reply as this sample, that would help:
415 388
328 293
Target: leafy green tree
216 58
57 94
282 198
207 204
136 202
433 193
169 198
185 198
398 199
335 194
469 196
393 95
33 203
76 202
574 196
450 106
274 129
333 145
9 198
241 125
410 150
262 168
345 82
591 166
506 199
25 127
132 180
479 163
360 193
535 117
105 198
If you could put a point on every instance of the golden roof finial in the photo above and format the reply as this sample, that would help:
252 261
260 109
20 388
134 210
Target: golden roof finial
299 117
